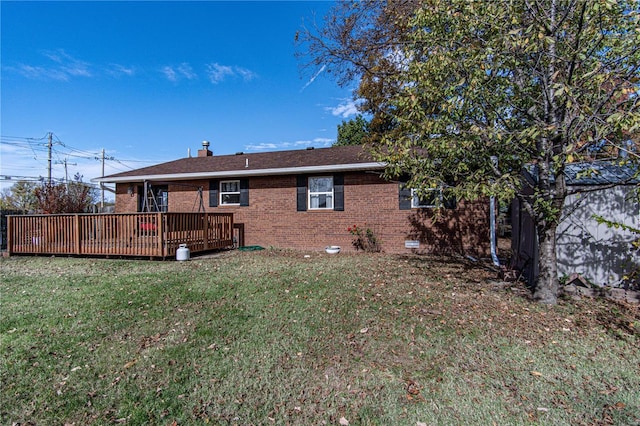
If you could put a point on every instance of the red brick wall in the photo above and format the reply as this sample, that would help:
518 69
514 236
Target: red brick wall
125 202
271 218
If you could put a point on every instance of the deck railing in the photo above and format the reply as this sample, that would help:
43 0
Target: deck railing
122 234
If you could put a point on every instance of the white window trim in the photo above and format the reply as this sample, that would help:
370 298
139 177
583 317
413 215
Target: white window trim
221 193
415 201
320 193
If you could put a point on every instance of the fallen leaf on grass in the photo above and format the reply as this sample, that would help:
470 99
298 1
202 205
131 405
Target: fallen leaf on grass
344 422
616 406
412 388
536 373
610 391
130 363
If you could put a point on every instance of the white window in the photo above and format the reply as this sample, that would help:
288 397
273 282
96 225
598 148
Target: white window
230 192
430 199
321 193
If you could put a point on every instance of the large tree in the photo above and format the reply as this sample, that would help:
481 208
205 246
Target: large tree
480 91
19 197
353 132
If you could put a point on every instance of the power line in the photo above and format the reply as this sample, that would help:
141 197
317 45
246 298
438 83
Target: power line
54 147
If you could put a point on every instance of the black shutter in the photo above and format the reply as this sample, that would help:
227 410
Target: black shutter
213 193
338 193
404 197
301 183
140 198
244 192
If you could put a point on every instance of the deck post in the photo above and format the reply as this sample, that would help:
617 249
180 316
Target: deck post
161 250
9 235
77 232
205 230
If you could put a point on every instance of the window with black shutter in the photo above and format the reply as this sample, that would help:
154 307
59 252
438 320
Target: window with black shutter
232 192
338 193
320 193
430 198
244 192
213 193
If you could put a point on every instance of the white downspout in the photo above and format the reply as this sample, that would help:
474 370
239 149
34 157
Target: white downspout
492 226
492 222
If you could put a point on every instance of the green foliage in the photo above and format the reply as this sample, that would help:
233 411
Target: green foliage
352 132
19 197
500 80
477 90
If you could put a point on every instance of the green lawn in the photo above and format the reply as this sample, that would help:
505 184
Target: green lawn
275 337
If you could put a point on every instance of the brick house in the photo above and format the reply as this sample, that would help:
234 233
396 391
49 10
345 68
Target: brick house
305 199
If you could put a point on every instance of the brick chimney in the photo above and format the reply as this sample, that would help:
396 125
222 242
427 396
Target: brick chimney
204 152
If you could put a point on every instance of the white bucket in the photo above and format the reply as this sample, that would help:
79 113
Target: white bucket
183 252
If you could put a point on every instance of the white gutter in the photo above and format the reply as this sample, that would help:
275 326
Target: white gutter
243 173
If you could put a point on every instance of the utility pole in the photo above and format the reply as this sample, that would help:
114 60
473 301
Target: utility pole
49 167
66 174
102 185
66 164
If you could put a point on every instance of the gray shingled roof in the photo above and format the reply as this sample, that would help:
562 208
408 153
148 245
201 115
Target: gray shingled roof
600 173
333 159
595 173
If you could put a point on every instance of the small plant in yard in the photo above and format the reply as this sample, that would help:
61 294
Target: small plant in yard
364 239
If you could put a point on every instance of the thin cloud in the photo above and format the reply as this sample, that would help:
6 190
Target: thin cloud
69 65
37 73
262 147
61 66
182 71
118 70
169 73
218 73
245 74
284 145
345 109
186 71
326 142
312 79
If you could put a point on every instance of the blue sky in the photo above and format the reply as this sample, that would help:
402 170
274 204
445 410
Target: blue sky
146 81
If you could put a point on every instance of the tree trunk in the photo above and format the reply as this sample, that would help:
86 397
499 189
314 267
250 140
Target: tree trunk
547 285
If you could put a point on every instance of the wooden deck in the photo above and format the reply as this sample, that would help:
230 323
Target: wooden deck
155 235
